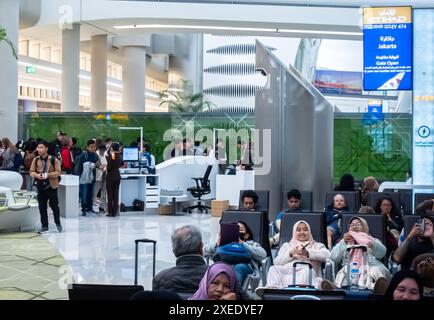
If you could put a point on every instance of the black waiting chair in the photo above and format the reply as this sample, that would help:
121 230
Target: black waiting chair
316 220
263 200
376 223
421 197
305 201
406 197
254 219
102 292
202 187
258 223
352 199
409 221
374 197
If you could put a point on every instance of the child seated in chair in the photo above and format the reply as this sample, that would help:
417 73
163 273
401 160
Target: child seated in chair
246 247
302 248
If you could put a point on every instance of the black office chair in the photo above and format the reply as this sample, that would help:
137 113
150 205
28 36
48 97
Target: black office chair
202 187
102 292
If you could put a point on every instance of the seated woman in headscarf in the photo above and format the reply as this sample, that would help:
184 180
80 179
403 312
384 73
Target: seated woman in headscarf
358 234
218 283
303 248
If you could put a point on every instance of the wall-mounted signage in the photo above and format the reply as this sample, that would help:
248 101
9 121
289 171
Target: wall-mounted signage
375 106
30 69
423 98
387 48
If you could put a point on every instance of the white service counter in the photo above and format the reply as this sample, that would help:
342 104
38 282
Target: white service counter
229 186
145 187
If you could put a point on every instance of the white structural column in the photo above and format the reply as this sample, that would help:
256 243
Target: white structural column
9 19
133 70
98 89
133 78
71 69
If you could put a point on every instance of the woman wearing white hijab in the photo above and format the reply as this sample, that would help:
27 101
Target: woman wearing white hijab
303 248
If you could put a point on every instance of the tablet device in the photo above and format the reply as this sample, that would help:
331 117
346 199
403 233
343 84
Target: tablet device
229 232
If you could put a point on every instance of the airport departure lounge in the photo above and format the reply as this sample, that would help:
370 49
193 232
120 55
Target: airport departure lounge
216 150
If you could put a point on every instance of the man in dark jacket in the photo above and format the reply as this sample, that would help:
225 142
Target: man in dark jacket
190 266
56 145
87 162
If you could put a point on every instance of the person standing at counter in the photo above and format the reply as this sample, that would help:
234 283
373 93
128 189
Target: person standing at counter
113 180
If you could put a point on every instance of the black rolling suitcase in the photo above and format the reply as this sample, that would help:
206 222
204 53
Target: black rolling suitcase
136 262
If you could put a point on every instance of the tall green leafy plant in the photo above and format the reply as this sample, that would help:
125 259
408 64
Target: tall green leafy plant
183 99
4 37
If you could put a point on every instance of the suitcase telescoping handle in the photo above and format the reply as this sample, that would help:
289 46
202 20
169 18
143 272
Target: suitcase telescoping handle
294 271
137 257
357 246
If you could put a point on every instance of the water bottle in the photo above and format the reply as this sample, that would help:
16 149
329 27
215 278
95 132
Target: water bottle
354 276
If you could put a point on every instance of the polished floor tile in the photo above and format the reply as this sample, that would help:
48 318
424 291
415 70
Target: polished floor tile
100 249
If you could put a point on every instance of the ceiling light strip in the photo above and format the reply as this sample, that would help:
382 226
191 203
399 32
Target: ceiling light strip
271 30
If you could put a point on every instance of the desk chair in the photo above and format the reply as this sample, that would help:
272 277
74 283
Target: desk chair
202 187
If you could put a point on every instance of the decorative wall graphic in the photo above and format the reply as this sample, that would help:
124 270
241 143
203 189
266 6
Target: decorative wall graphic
230 78
233 90
232 69
237 49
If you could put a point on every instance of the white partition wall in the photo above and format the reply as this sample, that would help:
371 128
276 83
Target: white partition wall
301 123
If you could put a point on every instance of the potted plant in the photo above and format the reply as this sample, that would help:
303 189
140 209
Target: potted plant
4 37
182 99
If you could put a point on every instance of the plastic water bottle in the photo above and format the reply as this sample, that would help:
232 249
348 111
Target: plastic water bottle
354 276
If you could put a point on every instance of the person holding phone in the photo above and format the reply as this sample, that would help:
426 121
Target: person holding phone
420 240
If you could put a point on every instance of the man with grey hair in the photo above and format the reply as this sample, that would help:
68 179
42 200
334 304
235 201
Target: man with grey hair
190 266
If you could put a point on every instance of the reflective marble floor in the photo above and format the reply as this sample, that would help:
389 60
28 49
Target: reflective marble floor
100 250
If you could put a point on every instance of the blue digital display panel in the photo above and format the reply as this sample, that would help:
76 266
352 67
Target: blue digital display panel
387 48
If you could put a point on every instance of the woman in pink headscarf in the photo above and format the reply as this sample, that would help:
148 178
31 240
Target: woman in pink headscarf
374 269
218 283
302 247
